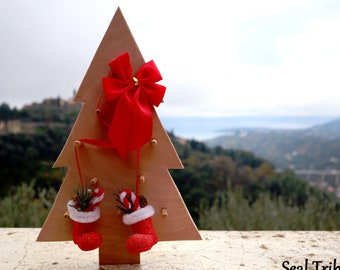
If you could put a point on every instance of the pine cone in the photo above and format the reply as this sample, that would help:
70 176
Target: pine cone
142 201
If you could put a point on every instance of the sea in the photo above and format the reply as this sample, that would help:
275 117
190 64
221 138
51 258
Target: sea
205 128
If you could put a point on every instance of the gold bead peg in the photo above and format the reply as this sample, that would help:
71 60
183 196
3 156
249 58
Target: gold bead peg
142 179
78 143
66 214
94 181
164 212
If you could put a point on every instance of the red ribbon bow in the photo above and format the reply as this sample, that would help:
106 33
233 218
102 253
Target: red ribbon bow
131 124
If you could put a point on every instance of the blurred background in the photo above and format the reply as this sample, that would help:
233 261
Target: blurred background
252 104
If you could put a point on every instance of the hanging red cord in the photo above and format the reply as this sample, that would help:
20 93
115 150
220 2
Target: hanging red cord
137 178
78 168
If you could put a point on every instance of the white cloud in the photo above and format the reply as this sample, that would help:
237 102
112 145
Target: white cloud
216 57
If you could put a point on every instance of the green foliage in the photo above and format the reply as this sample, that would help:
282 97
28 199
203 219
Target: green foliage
23 207
7 113
83 197
24 157
231 211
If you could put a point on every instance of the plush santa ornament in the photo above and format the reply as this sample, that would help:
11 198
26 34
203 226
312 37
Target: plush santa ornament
84 220
138 215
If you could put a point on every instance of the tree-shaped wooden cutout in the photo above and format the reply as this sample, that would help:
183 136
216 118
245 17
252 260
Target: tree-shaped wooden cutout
171 219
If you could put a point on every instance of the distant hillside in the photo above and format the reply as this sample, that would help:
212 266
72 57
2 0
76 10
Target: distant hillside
51 113
329 131
313 148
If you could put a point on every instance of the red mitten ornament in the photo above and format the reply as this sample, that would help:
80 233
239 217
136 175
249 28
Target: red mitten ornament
144 235
83 231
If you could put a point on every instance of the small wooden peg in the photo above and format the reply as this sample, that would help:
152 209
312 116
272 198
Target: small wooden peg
78 143
94 181
153 142
164 212
120 213
66 214
142 179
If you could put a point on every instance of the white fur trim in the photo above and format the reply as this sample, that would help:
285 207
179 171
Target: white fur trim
138 215
80 216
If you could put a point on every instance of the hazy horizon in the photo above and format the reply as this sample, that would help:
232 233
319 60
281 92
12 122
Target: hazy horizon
188 115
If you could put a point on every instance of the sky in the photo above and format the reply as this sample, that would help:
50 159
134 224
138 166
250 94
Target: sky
217 57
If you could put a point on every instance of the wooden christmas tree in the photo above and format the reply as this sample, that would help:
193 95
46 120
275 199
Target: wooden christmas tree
113 170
